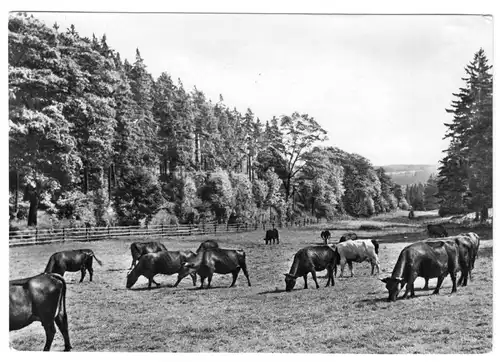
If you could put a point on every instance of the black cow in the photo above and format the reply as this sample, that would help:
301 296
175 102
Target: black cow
40 298
72 261
208 244
325 235
436 231
466 258
219 261
348 236
427 259
138 249
310 260
272 235
162 262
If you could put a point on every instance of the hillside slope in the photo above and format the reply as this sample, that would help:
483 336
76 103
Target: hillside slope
410 174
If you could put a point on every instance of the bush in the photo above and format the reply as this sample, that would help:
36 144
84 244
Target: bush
165 218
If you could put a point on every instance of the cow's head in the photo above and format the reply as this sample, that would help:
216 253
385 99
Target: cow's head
132 278
290 281
393 285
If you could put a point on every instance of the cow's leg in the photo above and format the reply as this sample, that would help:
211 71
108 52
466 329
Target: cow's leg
342 266
235 276
410 288
202 281
91 272
453 277
313 273
350 267
209 278
439 282
193 276
278 240
245 272
154 281
426 286
62 323
82 269
50 332
305 281
329 273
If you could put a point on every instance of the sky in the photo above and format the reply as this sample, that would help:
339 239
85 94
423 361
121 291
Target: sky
379 84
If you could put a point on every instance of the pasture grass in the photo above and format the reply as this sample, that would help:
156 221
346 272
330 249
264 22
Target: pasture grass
351 317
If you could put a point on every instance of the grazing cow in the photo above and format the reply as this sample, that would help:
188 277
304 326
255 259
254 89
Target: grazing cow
138 249
348 236
162 262
325 235
272 235
219 261
474 240
465 258
436 231
411 215
427 259
40 298
208 244
310 260
72 261
357 250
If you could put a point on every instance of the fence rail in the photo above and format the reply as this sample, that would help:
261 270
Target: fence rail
47 236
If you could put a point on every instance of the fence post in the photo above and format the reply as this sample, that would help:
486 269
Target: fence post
162 229
215 228
64 236
264 225
86 233
203 226
108 231
36 235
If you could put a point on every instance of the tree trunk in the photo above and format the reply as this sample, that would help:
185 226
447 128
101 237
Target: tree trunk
85 179
16 206
484 214
32 215
110 168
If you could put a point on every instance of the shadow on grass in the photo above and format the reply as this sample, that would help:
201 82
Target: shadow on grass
279 291
161 286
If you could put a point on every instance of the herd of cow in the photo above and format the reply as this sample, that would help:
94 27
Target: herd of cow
43 297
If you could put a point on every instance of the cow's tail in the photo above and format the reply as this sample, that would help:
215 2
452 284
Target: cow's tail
50 265
376 245
61 304
95 257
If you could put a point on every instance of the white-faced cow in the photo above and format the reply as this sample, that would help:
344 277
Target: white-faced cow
72 261
310 260
208 244
357 251
272 236
217 261
325 235
436 231
138 249
348 236
162 262
40 298
427 259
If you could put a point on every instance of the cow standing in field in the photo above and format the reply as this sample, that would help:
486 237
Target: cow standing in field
208 244
72 261
218 261
162 262
466 257
40 298
348 236
272 236
358 251
310 260
474 240
325 235
138 249
436 231
427 259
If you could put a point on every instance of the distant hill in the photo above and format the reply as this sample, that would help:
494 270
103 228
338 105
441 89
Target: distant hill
410 174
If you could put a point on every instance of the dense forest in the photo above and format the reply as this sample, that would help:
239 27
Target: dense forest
96 139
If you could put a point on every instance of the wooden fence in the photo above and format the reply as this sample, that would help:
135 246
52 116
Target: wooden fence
47 236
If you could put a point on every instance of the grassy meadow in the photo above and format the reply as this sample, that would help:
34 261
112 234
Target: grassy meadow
351 317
